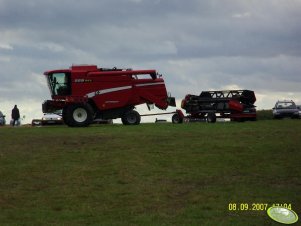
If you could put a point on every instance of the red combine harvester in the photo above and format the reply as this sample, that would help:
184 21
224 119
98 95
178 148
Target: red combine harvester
86 93
238 105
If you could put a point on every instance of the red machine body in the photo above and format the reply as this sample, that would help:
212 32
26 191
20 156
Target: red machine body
85 93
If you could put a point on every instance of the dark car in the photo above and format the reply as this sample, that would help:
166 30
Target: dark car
285 109
299 108
2 119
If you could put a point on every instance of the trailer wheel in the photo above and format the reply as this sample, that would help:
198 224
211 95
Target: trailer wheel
176 119
78 115
131 118
211 117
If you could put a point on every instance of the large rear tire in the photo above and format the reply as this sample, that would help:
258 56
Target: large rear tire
78 115
131 118
64 115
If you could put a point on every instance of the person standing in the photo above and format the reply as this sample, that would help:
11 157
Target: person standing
15 114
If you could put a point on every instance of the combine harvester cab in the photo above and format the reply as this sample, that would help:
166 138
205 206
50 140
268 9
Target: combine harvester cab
237 105
86 93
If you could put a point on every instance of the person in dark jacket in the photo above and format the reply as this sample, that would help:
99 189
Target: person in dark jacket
15 115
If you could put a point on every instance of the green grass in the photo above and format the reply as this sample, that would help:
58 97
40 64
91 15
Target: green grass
151 174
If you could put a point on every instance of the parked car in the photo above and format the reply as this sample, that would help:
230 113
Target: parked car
299 108
2 119
284 109
57 119
54 118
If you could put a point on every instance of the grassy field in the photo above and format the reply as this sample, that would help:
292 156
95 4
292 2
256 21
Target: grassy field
151 174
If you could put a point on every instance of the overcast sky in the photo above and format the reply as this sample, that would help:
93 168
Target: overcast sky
196 44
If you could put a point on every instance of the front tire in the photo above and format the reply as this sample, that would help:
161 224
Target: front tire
78 115
131 118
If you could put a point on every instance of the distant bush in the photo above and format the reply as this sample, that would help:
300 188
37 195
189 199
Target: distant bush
264 114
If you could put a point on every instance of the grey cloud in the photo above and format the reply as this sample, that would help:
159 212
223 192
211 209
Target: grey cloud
196 28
